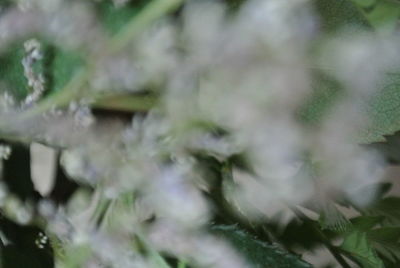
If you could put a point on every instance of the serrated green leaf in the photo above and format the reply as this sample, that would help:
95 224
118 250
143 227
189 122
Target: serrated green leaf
357 245
332 219
258 254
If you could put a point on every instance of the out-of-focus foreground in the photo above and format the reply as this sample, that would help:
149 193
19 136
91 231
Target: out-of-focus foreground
172 133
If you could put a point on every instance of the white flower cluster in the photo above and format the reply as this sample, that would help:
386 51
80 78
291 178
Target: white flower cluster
228 84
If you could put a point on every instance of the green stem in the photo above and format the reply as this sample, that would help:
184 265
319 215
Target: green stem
152 12
62 97
126 103
129 201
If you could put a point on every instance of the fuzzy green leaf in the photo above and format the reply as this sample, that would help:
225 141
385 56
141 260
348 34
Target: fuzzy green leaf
383 109
326 91
65 65
339 14
12 77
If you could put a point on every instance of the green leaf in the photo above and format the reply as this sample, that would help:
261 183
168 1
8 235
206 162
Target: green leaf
384 15
383 111
364 3
357 245
64 65
258 254
362 240
12 77
332 219
357 224
386 242
326 91
365 223
339 14
58 66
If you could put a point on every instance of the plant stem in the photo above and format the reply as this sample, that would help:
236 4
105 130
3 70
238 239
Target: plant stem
126 103
152 12
129 200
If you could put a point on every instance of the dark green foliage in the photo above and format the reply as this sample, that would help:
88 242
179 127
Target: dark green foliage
17 173
63 187
26 246
298 234
390 148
